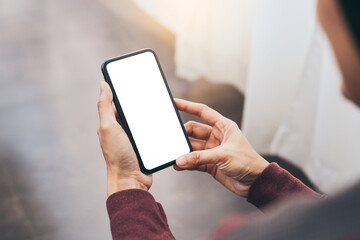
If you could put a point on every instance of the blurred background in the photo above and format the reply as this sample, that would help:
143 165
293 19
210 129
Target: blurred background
265 64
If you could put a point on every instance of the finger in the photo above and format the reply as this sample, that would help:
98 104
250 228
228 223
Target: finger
198 130
197 144
197 158
115 111
118 119
201 168
105 109
206 114
177 168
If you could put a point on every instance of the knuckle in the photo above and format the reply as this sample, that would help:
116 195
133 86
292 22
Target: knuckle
226 124
190 124
195 158
100 103
221 124
203 106
105 127
202 109
98 131
233 124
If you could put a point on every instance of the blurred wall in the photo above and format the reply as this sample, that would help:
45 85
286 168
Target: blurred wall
213 37
293 104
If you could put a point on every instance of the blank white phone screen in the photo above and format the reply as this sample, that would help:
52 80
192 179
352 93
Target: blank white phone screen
148 109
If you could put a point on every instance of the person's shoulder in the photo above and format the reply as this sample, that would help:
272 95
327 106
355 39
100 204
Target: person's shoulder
304 217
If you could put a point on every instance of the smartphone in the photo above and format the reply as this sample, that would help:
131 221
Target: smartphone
146 109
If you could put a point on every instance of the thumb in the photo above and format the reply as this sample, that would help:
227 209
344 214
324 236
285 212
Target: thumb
197 158
105 109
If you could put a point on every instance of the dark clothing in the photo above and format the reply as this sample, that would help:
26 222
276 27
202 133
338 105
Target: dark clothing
275 183
134 214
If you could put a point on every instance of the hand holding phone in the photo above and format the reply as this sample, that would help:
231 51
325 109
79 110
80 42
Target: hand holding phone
220 149
146 108
123 171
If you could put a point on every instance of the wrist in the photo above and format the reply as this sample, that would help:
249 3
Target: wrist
119 184
259 166
255 169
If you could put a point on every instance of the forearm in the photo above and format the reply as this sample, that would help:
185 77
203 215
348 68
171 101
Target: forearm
134 214
117 184
275 183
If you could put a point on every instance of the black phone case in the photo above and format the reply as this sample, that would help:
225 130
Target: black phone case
123 118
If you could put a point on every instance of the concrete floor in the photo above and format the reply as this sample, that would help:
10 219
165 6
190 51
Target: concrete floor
52 172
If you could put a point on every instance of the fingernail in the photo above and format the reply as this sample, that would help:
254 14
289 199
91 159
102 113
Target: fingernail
102 86
181 161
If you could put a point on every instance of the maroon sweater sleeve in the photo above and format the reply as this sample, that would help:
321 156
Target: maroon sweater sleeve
275 183
134 214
